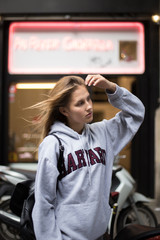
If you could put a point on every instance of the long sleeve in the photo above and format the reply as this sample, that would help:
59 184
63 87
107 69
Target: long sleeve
45 193
126 123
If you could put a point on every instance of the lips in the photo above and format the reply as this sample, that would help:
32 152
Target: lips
89 114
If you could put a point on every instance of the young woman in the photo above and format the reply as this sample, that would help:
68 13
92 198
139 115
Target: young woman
78 208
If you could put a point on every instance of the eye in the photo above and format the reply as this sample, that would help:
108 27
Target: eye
80 103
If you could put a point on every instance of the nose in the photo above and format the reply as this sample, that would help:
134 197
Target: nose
89 105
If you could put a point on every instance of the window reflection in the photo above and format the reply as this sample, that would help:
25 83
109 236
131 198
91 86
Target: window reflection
23 139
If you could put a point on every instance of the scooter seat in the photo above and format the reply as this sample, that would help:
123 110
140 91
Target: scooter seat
138 232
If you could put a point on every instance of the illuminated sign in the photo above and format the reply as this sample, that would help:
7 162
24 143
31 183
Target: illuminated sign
76 48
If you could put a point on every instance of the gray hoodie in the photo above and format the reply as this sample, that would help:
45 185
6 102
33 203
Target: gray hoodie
78 208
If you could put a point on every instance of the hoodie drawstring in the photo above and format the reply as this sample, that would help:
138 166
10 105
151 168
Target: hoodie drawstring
87 158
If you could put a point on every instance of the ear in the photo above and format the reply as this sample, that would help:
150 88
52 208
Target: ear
63 111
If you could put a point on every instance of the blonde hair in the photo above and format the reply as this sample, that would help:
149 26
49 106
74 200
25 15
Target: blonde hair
58 97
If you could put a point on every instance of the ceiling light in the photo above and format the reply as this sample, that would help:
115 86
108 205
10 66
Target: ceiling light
156 18
35 85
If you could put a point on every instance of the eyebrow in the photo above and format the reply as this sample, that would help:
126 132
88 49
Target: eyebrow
83 98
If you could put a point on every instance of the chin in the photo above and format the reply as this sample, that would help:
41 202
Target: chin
90 120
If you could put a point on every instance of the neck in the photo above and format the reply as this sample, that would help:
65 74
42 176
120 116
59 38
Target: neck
76 128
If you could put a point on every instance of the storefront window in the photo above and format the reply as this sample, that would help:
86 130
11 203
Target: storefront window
23 138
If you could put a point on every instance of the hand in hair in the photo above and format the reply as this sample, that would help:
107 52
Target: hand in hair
101 82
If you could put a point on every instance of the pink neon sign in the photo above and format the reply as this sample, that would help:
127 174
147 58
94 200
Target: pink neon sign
76 47
68 44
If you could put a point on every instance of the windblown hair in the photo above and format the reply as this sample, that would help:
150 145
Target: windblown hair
58 97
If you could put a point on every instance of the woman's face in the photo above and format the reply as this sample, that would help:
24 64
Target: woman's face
79 109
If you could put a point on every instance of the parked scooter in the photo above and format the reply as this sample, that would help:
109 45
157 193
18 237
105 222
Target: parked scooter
130 231
132 206
8 180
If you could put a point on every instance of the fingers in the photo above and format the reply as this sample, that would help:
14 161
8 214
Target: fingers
92 79
100 82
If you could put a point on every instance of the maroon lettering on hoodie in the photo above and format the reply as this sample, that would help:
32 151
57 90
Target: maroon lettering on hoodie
71 164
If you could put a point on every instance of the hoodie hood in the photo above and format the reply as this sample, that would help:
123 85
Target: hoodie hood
63 130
